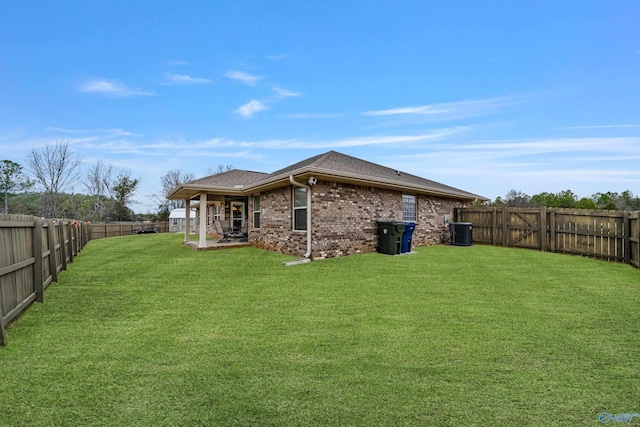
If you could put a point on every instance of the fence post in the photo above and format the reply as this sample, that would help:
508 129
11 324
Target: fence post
86 234
70 234
53 264
637 239
3 332
552 231
38 270
627 237
505 228
494 227
543 228
75 234
63 247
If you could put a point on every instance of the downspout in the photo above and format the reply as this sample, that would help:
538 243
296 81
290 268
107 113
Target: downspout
296 183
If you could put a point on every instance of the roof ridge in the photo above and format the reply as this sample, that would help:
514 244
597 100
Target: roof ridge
322 157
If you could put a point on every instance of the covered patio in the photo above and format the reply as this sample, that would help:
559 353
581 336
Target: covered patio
220 221
221 204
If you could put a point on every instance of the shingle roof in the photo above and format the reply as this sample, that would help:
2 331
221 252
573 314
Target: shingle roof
342 164
232 178
332 164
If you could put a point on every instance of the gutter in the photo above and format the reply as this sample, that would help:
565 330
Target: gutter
297 184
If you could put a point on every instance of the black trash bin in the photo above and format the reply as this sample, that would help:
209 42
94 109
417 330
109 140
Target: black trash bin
390 237
407 237
461 233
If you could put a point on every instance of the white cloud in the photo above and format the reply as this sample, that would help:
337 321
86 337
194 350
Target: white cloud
360 141
185 79
312 116
425 109
453 110
250 108
187 148
275 57
242 77
112 88
285 93
109 133
601 126
524 148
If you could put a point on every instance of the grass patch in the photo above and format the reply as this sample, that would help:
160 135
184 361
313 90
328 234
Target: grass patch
143 331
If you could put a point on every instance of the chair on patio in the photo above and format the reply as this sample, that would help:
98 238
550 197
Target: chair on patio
222 230
245 233
229 233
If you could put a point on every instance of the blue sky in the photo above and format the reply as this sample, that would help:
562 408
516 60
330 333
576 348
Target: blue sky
484 96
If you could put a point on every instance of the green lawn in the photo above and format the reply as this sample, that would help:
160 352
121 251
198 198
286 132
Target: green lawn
141 330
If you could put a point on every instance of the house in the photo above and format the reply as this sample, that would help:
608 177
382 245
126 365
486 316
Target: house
177 220
325 206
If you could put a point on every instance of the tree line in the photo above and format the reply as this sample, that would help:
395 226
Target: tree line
46 185
610 200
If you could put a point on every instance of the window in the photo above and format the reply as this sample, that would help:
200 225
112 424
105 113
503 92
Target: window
300 209
216 213
409 208
174 222
256 211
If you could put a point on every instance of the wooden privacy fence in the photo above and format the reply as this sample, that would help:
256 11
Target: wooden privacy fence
608 235
100 230
33 252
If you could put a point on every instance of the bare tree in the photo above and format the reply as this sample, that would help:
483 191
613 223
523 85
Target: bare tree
54 167
98 182
516 199
171 180
220 169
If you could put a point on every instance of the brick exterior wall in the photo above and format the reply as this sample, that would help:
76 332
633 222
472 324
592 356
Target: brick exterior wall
431 225
276 229
344 219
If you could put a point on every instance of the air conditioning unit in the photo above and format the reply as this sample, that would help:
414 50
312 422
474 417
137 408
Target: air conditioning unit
460 233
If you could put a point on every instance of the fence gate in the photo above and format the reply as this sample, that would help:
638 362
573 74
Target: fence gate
523 229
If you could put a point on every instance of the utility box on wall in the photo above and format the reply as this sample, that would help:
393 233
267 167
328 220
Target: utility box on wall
460 233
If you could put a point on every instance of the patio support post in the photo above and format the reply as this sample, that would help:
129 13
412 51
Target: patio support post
187 219
202 242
